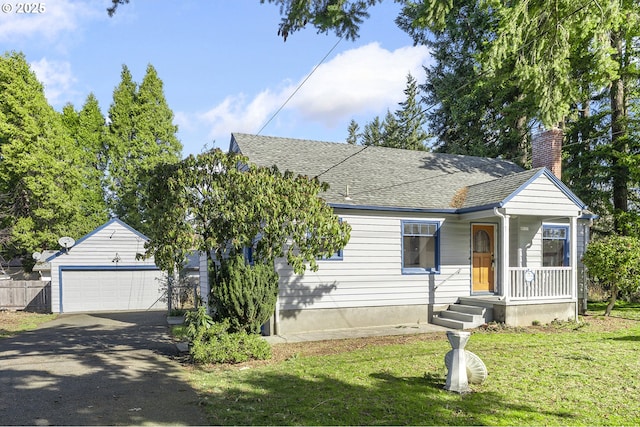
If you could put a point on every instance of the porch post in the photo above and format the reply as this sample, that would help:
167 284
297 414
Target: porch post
573 260
503 265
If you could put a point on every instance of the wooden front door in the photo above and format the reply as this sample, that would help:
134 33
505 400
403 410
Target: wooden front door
483 261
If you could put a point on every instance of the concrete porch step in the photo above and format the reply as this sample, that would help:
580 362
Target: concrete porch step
469 309
462 316
451 323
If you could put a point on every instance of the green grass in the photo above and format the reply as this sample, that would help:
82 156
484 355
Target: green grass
623 309
562 374
179 331
14 322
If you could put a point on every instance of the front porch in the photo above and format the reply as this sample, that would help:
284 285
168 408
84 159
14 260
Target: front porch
533 295
530 295
524 259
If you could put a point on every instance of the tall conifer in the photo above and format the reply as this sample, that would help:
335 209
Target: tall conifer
87 128
40 173
141 136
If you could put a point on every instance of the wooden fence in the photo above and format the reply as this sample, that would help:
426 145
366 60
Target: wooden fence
28 295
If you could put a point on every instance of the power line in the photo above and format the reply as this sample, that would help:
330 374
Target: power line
429 107
343 160
300 85
477 77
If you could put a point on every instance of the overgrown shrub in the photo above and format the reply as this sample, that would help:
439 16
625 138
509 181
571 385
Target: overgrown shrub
211 342
197 323
614 263
245 295
229 347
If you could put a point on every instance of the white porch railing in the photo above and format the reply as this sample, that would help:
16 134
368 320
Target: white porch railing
548 283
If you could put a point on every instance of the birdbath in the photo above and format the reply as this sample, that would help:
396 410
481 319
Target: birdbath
457 375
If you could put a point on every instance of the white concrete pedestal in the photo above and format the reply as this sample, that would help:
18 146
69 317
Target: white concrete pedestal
457 374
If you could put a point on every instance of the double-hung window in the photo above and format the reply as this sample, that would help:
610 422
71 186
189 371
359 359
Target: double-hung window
555 246
336 256
420 247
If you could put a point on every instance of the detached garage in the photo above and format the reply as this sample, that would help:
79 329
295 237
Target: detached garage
100 272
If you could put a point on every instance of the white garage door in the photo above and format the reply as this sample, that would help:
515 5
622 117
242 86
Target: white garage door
110 290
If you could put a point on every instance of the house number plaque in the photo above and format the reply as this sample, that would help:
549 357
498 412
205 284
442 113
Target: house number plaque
529 276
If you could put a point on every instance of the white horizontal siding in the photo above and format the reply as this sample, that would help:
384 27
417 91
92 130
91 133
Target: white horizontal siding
526 250
99 250
543 198
370 273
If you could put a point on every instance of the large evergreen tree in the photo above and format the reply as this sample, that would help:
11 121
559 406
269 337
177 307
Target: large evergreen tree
41 193
141 135
87 128
467 112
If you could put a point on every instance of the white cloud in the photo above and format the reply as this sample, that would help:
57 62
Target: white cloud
235 114
57 78
183 121
58 16
366 80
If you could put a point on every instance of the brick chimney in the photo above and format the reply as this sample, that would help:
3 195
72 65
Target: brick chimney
546 150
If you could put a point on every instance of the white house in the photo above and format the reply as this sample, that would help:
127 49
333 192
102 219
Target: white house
449 239
101 272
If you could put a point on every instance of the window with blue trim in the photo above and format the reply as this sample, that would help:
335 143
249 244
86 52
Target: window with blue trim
555 246
420 246
336 256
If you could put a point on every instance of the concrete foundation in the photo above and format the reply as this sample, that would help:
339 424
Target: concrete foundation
513 314
296 321
527 314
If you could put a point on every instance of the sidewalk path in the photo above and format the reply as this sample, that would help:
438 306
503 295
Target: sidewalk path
374 331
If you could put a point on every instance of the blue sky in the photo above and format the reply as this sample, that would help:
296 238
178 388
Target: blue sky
223 65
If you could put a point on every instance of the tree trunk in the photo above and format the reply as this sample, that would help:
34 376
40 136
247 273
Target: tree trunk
213 275
169 292
619 172
612 300
521 128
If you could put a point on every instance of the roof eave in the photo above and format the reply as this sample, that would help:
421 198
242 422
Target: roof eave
392 208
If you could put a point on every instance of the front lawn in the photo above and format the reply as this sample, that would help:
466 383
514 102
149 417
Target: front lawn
558 374
14 322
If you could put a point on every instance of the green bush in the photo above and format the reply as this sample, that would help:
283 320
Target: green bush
225 347
197 323
211 342
614 263
244 294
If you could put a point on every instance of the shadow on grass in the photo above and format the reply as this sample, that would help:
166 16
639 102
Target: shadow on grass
308 399
635 338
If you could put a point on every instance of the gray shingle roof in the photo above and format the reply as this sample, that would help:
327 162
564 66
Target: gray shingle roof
387 177
495 191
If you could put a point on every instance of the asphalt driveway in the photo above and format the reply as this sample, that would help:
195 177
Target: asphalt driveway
96 369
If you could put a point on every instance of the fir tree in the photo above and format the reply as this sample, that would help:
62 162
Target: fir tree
87 128
41 180
402 129
141 136
352 132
